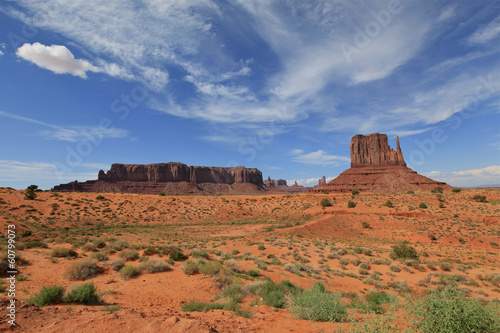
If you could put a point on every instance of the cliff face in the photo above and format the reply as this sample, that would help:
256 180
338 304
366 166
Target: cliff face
374 150
179 172
375 167
273 182
170 178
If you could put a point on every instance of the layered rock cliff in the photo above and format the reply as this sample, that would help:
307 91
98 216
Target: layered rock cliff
171 178
375 167
374 150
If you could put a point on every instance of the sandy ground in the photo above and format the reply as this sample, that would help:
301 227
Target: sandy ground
463 234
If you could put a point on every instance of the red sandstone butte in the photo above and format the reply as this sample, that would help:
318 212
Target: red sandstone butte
170 178
376 167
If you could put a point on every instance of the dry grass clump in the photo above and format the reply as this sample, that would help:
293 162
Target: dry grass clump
62 252
83 270
154 265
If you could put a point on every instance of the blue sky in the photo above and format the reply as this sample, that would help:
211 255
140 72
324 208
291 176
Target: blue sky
277 85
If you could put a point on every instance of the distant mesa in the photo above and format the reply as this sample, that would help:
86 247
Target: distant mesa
376 167
171 178
275 183
281 185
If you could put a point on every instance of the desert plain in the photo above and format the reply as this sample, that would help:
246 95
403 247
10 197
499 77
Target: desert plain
217 263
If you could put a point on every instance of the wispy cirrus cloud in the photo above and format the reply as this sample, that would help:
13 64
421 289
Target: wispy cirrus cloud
319 157
71 133
486 33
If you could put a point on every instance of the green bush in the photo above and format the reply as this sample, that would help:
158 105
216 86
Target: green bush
355 191
253 273
154 265
422 205
162 194
209 267
438 189
275 294
351 204
410 192
199 306
449 310
47 295
365 224
403 251
479 198
82 270
325 203
174 253
100 197
199 254
83 294
30 192
389 204
128 272
99 256
318 304
456 190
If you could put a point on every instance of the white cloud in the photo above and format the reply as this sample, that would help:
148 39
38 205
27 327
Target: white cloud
318 157
55 58
72 133
474 177
449 12
29 172
309 182
486 33
1 53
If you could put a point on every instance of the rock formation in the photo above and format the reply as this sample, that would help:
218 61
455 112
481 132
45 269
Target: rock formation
170 178
375 167
322 181
275 183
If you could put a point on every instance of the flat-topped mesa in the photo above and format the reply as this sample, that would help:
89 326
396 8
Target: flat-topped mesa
171 178
374 150
179 172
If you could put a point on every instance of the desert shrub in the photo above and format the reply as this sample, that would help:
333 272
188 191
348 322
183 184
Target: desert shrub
351 204
200 306
449 310
325 202
117 264
355 192
373 302
364 265
83 294
410 192
441 205
89 247
209 267
161 194
261 247
318 304
456 190
150 250
422 205
432 237
438 189
99 256
100 197
129 271
30 193
47 295
253 273
232 265
389 204
235 252
479 198
445 266
275 294
199 254
261 264
190 267
365 225
403 250
99 243
129 254
174 253
154 265
119 245
61 252
82 270
222 278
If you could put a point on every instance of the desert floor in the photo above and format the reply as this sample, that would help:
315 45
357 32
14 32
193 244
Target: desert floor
242 241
